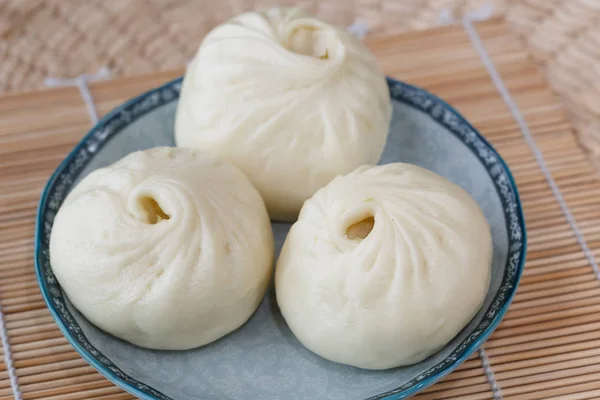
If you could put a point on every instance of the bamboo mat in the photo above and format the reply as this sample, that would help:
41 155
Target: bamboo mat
547 347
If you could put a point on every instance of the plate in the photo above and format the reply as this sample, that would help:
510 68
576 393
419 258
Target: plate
262 359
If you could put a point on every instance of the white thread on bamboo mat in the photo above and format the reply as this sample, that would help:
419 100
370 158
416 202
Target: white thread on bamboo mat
359 28
487 368
8 360
81 82
529 139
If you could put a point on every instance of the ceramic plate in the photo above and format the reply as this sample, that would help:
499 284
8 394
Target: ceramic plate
263 360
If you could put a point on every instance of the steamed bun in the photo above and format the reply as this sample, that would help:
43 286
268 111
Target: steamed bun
289 99
384 266
166 249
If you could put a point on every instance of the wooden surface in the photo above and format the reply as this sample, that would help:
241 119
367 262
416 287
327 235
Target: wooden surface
548 346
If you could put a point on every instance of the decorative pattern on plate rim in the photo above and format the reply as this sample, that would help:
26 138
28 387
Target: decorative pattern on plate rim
66 174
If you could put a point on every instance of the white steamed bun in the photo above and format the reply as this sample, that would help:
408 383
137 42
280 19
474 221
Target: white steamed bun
393 295
167 248
289 99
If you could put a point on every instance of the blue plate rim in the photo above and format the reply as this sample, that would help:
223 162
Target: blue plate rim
412 95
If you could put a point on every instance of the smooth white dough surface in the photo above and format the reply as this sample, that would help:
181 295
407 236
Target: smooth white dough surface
401 293
168 248
289 99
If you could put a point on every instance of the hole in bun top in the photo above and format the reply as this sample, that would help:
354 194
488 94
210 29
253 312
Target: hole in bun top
361 229
154 212
302 34
311 41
